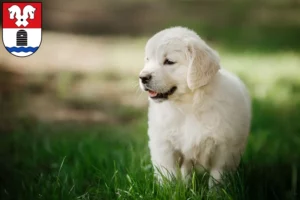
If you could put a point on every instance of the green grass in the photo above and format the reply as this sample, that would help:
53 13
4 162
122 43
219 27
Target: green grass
67 161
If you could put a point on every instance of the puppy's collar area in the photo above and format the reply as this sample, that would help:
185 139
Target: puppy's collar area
156 95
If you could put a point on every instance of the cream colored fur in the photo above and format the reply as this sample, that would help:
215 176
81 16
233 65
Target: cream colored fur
206 122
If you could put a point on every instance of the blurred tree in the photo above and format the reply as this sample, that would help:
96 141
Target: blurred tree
11 89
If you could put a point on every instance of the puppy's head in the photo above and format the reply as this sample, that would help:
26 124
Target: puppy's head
177 61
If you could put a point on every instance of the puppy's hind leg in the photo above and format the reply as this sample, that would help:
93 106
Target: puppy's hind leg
223 162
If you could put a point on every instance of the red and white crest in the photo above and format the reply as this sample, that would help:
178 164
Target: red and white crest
22 27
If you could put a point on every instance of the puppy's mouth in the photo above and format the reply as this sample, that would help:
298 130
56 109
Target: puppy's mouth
156 95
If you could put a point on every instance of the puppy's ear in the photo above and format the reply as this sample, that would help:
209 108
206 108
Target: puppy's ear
204 64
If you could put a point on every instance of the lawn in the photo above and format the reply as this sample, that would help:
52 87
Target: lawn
55 160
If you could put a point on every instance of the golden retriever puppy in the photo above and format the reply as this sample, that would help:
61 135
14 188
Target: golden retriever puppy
199 113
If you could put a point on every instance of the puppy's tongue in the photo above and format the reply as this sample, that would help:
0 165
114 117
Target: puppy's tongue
152 93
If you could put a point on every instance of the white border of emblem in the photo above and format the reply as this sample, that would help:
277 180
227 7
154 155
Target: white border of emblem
41 29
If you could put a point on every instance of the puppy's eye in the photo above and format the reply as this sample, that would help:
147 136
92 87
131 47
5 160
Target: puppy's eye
168 62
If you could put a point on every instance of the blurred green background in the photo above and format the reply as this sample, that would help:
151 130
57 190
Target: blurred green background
73 120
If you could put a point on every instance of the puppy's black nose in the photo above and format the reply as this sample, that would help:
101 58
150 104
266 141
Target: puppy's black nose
145 79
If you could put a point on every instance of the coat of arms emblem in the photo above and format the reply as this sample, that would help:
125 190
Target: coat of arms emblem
22 27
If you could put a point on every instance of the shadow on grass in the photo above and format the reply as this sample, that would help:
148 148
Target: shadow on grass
258 39
242 38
